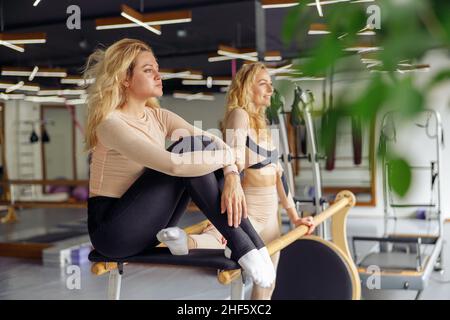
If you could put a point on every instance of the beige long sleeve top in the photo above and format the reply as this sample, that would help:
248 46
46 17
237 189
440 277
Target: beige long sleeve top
250 151
127 145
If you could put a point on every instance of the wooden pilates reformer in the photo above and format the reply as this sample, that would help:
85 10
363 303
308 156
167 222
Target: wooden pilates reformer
309 268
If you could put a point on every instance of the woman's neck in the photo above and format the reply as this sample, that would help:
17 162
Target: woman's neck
134 108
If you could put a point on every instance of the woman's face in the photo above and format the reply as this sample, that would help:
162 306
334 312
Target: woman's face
145 81
262 89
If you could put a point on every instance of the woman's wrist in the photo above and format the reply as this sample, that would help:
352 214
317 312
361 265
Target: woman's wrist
292 214
230 169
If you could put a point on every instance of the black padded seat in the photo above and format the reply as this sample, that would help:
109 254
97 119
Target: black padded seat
310 270
209 258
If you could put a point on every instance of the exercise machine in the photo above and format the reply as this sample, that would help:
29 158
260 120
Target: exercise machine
406 261
328 267
302 107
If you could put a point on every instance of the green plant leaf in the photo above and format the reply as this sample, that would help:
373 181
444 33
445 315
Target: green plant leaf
406 98
399 176
438 78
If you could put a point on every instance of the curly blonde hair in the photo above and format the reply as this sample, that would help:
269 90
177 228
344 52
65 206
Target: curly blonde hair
240 96
109 68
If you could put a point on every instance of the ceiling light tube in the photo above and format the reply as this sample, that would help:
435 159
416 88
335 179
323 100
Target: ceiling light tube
75 102
363 49
361 1
323 3
33 73
77 80
273 56
16 86
252 56
186 74
219 58
45 99
272 4
136 17
59 92
282 69
217 82
299 78
12 96
25 87
12 46
151 19
47 92
24 38
319 8
23 72
174 75
318 28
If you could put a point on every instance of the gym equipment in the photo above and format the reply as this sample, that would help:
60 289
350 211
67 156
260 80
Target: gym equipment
276 105
329 142
59 188
33 136
357 139
299 133
80 193
326 260
304 105
45 137
406 261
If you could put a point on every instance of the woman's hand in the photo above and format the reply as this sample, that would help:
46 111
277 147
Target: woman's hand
307 221
233 200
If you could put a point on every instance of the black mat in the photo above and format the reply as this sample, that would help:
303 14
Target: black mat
209 258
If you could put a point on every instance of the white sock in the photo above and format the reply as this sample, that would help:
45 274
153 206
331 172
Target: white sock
175 239
254 265
227 252
266 257
269 269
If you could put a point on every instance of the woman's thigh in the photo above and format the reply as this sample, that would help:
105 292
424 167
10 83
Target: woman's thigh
132 222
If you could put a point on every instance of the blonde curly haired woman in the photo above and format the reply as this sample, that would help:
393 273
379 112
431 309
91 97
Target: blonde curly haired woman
263 180
137 189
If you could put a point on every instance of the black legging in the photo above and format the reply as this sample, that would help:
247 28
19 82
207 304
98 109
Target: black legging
125 226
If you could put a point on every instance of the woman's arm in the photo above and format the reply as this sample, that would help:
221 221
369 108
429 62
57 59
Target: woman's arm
177 127
232 198
236 133
287 201
114 134
284 193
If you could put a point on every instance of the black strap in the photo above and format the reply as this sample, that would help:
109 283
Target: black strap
271 156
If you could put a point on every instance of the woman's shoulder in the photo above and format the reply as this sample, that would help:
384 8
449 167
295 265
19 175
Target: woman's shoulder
113 119
238 116
239 112
159 111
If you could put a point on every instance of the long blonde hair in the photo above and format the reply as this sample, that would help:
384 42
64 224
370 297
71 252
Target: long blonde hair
240 96
109 68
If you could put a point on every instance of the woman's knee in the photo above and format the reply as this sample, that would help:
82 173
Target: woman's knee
192 143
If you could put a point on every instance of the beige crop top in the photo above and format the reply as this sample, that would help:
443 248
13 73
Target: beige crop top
126 145
251 151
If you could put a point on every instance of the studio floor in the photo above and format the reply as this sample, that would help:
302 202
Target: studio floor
30 279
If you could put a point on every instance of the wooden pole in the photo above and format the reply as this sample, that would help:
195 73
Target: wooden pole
344 201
